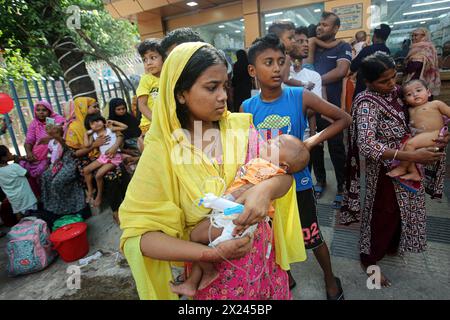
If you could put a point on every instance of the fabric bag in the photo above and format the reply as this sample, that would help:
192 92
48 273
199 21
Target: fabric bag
29 248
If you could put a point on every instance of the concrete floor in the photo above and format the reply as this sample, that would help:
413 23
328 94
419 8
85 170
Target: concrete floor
420 276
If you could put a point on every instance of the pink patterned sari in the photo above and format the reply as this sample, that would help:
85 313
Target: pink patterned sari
255 276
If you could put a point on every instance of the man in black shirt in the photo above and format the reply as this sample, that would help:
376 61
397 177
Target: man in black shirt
380 35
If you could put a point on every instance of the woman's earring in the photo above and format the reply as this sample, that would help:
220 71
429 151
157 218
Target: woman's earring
181 100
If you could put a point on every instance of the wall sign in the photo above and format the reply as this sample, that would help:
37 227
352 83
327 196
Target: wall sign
351 16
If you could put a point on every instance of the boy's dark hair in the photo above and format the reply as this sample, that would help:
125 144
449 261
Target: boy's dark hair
201 60
415 80
302 30
179 36
382 31
92 118
361 35
269 41
3 151
374 65
151 45
327 14
278 27
312 30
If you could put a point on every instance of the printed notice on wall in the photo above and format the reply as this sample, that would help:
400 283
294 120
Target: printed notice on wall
351 16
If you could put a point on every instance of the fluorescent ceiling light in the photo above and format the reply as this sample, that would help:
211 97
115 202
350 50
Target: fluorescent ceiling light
319 10
426 11
411 21
423 22
428 3
241 20
221 26
269 22
274 14
192 4
237 31
442 15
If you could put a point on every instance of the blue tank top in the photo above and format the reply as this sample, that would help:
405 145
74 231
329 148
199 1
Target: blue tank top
282 116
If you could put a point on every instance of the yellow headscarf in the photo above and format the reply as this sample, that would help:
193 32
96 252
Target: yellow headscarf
163 193
77 114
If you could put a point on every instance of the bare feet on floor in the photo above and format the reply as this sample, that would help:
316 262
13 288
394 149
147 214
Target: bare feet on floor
384 281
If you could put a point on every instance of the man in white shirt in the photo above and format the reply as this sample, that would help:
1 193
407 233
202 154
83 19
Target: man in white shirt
310 79
298 76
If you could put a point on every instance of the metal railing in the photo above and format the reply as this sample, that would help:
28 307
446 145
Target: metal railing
27 92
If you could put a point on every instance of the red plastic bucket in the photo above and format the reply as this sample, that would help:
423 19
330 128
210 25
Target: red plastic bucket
71 241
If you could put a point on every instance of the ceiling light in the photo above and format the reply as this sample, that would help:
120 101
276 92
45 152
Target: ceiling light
426 11
423 22
241 20
237 31
274 14
411 21
442 16
221 26
317 10
192 4
428 3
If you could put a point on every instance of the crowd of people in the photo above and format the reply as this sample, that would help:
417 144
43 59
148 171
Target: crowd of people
293 90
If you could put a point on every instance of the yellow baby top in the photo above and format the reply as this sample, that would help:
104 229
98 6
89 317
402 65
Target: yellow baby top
148 86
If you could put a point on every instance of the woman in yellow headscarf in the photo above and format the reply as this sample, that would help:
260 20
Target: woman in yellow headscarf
178 166
116 181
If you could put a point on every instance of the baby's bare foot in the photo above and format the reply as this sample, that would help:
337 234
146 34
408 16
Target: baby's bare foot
412 176
399 171
207 278
184 289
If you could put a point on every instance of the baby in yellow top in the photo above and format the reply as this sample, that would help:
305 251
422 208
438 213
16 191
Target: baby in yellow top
147 91
425 116
279 156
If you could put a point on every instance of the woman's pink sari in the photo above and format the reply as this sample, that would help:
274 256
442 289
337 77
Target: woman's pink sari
255 276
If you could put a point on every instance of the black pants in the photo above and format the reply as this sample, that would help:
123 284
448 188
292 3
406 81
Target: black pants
337 154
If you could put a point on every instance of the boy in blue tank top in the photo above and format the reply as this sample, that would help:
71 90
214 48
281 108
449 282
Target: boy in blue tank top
278 110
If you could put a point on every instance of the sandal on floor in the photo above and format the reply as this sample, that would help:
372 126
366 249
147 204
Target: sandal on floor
340 295
337 201
292 285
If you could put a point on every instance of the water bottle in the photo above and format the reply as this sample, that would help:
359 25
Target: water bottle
225 206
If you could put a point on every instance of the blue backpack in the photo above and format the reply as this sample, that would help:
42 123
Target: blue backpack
29 248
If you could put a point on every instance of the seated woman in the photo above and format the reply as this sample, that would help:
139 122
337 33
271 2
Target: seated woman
116 181
62 191
178 167
118 112
36 142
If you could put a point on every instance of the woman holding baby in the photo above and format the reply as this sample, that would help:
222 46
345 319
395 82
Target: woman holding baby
393 218
178 166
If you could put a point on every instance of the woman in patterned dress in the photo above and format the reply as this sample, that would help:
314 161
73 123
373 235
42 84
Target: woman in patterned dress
393 219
